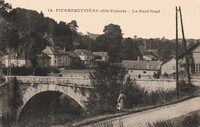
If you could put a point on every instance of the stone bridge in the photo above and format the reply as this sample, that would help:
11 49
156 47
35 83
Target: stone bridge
30 86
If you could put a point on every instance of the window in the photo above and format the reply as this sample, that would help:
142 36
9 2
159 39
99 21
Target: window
198 68
174 67
55 61
144 72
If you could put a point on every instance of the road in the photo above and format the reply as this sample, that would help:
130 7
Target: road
167 112
141 119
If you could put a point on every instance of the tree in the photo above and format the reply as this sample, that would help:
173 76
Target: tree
34 63
5 6
107 81
130 49
113 30
73 25
63 35
33 59
9 36
134 94
110 41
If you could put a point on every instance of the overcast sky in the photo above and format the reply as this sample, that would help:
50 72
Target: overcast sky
146 25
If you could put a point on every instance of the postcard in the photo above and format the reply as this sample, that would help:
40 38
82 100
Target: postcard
132 63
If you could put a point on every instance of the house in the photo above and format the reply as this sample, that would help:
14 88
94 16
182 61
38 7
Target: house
43 60
101 56
194 61
59 57
17 58
85 56
169 67
21 57
73 57
141 69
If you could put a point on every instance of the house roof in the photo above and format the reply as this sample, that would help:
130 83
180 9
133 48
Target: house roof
50 50
189 50
102 54
82 52
180 56
142 65
72 54
43 55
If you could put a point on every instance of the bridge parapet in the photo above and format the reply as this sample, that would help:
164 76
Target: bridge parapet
78 82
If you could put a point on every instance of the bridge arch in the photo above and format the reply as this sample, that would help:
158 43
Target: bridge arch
75 93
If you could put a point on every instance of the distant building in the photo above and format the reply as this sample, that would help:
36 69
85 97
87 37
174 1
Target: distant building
169 67
194 61
21 57
43 60
85 56
73 57
141 69
17 58
101 56
59 57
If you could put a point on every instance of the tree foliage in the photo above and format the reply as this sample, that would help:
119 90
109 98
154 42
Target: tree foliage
9 36
130 49
107 81
34 30
110 41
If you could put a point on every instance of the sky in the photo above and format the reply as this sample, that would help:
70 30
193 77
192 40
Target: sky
143 23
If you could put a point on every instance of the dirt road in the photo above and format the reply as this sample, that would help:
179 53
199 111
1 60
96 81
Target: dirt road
167 112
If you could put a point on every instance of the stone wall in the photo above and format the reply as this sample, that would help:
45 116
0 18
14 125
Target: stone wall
161 84
156 84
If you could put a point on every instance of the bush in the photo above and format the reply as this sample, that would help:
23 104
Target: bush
53 70
76 65
107 82
24 71
19 71
137 96
165 123
191 121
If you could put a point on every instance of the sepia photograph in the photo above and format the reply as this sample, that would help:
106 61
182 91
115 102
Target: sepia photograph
105 63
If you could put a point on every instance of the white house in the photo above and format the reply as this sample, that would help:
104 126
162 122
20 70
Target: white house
17 58
59 57
194 61
20 57
141 69
85 56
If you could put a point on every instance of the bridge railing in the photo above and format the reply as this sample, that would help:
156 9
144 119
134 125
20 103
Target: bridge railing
52 80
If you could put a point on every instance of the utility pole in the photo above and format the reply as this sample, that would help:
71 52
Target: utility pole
177 74
186 54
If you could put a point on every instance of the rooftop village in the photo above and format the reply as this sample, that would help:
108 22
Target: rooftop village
149 67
